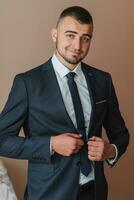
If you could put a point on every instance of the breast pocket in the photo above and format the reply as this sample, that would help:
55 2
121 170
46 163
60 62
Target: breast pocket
100 109
101 102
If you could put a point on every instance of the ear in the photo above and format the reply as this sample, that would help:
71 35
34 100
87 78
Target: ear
54 34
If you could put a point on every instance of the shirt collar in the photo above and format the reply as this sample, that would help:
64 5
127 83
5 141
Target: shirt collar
63 70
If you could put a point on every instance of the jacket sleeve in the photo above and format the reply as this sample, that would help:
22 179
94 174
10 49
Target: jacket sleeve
114 124
12 119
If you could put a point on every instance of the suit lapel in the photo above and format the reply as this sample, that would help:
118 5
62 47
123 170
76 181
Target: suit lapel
54 94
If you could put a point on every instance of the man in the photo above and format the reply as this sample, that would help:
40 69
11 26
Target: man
62 106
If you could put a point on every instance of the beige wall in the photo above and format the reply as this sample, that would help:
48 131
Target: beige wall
25 42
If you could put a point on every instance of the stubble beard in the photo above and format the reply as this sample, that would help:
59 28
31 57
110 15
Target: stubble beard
73 61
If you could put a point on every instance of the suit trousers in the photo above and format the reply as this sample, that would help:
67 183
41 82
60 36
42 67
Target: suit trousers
86 193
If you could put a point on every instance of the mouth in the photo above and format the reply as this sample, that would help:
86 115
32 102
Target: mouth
75 53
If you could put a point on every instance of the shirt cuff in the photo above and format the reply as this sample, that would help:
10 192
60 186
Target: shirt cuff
51 150
111 161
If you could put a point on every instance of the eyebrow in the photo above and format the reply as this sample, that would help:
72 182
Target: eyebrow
85 34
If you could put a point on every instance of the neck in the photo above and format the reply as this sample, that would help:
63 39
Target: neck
70 66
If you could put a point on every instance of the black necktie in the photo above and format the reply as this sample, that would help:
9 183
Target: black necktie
85 163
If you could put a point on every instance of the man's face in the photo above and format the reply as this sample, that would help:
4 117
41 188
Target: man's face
72 41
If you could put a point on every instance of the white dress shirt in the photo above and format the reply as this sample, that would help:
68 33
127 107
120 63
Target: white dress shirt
61 72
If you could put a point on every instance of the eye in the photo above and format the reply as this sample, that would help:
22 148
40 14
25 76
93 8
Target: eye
71 36
85 39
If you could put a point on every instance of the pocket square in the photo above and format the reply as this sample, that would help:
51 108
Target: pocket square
103 101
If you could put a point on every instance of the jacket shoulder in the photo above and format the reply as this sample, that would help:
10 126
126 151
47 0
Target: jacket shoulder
36 71
101 78
95 71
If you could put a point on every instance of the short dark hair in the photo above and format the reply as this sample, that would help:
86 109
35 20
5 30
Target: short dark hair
80 14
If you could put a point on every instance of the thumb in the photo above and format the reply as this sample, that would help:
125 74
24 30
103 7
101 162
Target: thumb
75 135
95 138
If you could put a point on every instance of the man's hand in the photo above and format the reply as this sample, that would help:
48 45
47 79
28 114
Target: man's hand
67 144
99 149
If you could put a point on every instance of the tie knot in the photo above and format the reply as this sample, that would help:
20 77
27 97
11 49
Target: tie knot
71 75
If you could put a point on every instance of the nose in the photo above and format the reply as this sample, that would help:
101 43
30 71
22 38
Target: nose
77 44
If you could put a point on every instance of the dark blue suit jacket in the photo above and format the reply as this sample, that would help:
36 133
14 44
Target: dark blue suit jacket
35 103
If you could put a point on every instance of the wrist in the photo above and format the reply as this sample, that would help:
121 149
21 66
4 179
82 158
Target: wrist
112 152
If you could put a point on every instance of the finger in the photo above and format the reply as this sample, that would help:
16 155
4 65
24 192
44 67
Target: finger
94 144
76 150
75 135
93 154
91 158
95 138
94 158
93 149
79 147
96 153
96 150
80 142
98 138
92 138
